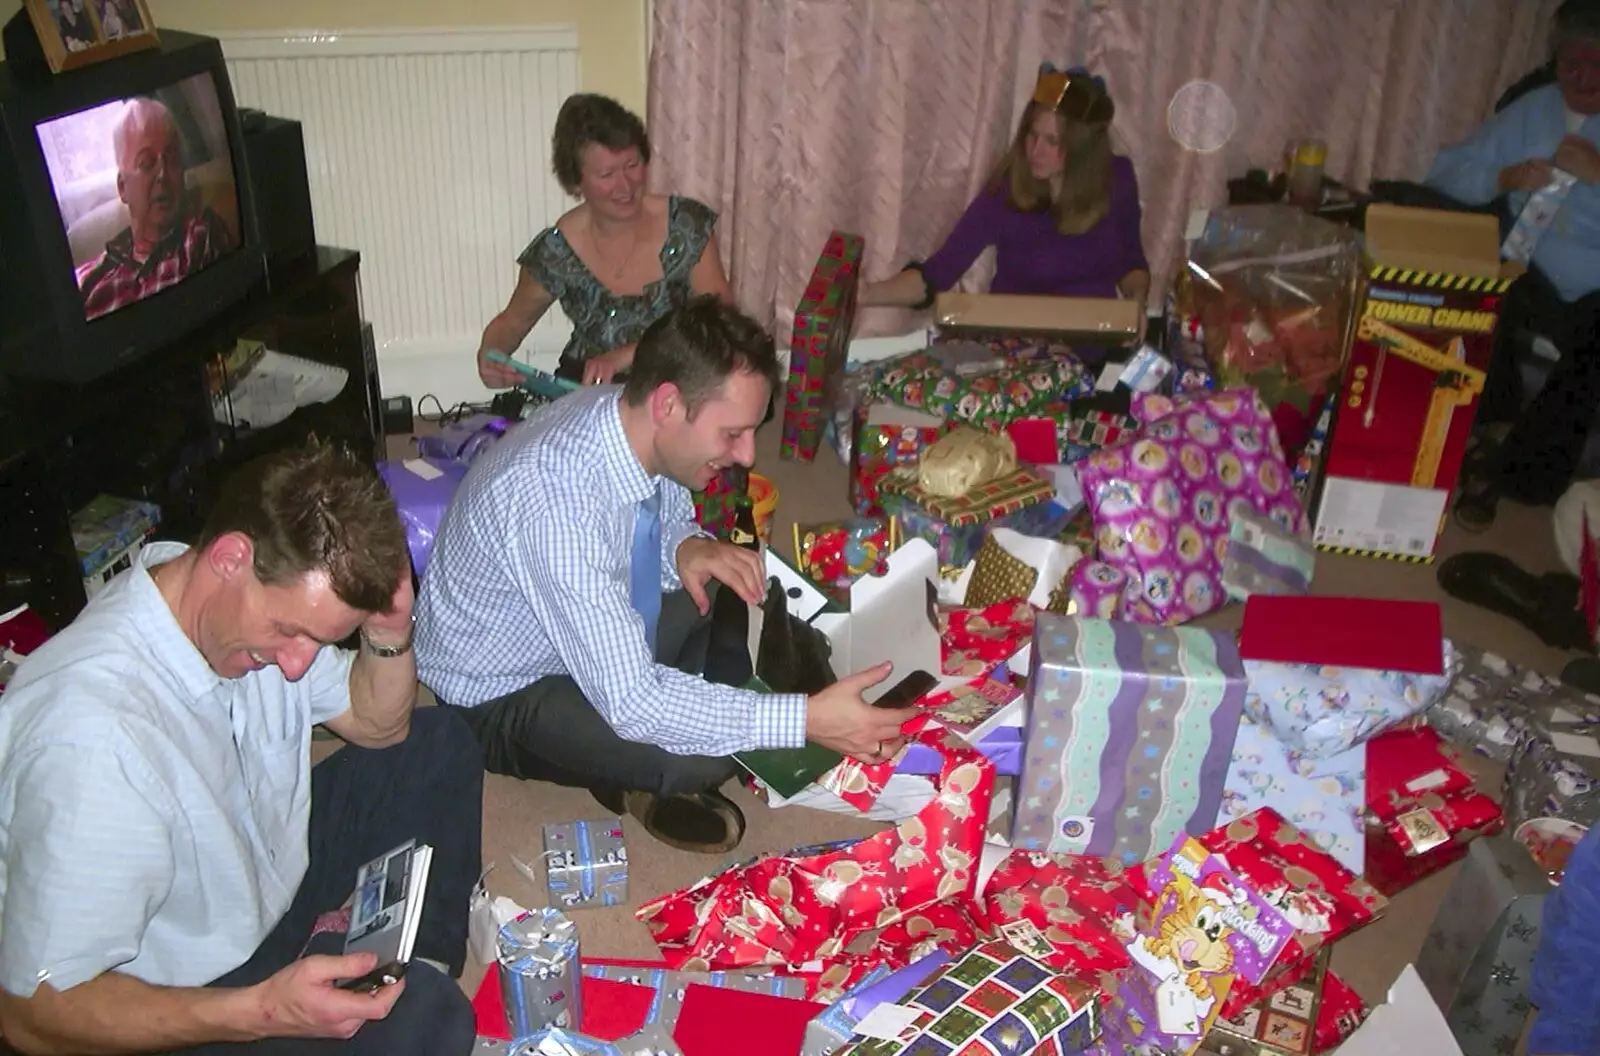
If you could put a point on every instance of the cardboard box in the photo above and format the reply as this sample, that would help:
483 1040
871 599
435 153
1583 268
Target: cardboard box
1091 320
1422 346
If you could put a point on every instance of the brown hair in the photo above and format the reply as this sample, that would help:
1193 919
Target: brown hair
589 118
316 508
696 347
1085 183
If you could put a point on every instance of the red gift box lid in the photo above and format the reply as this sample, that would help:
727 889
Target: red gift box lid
1373 633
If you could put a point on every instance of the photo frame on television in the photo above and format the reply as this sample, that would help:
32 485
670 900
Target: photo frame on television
77 33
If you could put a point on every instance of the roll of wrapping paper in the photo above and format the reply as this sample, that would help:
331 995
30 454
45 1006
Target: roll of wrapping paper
539 972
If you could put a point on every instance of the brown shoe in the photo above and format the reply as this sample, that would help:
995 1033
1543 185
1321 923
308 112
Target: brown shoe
701 822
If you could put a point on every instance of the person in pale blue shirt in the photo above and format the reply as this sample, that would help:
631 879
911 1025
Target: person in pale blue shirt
172 867
565 606
1556 126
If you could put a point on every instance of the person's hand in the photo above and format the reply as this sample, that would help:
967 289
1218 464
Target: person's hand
600 369
1528 175
1579 157
496 375
701 560
838 718
301 1001
393 627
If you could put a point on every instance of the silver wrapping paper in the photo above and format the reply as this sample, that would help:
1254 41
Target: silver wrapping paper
1486 708
539 973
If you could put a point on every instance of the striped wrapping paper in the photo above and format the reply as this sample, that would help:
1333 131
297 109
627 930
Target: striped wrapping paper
1130 735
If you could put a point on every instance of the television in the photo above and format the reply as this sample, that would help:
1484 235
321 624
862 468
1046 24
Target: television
125 212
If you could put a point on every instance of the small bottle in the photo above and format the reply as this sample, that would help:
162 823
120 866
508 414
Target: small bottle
1305 174
743 533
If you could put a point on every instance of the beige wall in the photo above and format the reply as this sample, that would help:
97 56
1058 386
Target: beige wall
611 33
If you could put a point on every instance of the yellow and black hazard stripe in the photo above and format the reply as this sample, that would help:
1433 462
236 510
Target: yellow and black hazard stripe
1356 551
1437 280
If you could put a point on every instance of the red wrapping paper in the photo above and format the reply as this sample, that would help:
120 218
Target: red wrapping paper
976 641
1341 1012
887 899
1323 899
1083 908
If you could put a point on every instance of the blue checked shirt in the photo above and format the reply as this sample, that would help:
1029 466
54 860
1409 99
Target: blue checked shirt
529 577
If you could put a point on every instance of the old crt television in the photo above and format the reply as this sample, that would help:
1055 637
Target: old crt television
124 214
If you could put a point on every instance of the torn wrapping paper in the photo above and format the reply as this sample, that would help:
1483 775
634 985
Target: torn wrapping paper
1327 674
1478 957
538 962
554 1041
888 899
1321 898
832 1030
464 440
1163 502
586 863
992 1001
1341 1014
1555 771
1328 806
1488 706
1075 913
1209 928
822 324
1130 733
1263 557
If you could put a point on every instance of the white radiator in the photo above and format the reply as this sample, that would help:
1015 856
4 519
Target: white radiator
428 151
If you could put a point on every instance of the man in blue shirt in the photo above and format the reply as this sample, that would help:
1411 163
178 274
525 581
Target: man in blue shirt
1514 153
1566 986
566 601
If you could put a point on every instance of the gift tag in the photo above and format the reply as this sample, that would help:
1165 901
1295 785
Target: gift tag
889 1023
1432 779
1423 830
422 468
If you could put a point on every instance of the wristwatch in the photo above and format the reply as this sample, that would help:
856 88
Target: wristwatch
389 652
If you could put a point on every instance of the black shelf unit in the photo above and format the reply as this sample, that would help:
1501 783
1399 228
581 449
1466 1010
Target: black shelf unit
149 431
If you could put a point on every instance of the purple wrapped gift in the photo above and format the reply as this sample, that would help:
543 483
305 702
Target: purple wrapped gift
465 440
1003 747
422 489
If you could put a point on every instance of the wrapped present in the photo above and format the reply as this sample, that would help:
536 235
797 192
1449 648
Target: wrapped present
1478 956
1555 771
465 439
965 382
1486 708
422 490
887 437
832 1029
1075 913
1341 1012
1283 1024
1263 557
1163 502
1098 590
822 323
717 507
1130 732
1328 806
586 863
1322 899
1327 674
1011 566
1065 433
992 1001
1422 811
836 554
1209 928
888 899
107 534
956 528
1275 307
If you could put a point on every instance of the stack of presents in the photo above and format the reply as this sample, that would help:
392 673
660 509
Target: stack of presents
1114 830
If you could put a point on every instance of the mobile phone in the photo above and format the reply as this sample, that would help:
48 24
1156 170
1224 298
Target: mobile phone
375 980
907 691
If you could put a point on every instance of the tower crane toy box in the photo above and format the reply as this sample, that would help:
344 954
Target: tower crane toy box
1421 350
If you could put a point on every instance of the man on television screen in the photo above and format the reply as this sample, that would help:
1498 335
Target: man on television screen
168 237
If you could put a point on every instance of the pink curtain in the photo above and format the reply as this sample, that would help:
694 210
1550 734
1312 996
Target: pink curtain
884 117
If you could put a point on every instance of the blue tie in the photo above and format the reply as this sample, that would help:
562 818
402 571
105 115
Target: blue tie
647 565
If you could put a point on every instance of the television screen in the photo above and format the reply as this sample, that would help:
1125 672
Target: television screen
145 189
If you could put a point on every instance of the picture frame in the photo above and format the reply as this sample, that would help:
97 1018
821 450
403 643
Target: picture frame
78 33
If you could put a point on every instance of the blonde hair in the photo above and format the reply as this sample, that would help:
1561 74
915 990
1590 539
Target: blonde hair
1085 196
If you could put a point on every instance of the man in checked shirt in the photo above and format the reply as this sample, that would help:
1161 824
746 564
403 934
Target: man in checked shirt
168 237
566 601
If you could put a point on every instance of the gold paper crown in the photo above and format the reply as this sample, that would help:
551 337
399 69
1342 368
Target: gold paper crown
1076 95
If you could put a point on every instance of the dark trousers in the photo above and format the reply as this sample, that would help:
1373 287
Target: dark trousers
1536 462
549 731
365 802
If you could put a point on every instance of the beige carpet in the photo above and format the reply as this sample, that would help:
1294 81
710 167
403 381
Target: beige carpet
514 812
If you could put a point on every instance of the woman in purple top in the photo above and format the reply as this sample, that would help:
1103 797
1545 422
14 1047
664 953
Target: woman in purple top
1062 211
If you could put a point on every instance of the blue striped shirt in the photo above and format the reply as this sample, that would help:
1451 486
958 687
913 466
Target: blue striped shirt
529 577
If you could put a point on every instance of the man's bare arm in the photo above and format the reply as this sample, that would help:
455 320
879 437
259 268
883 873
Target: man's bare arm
115 1013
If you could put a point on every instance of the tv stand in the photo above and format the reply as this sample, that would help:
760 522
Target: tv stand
151 430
